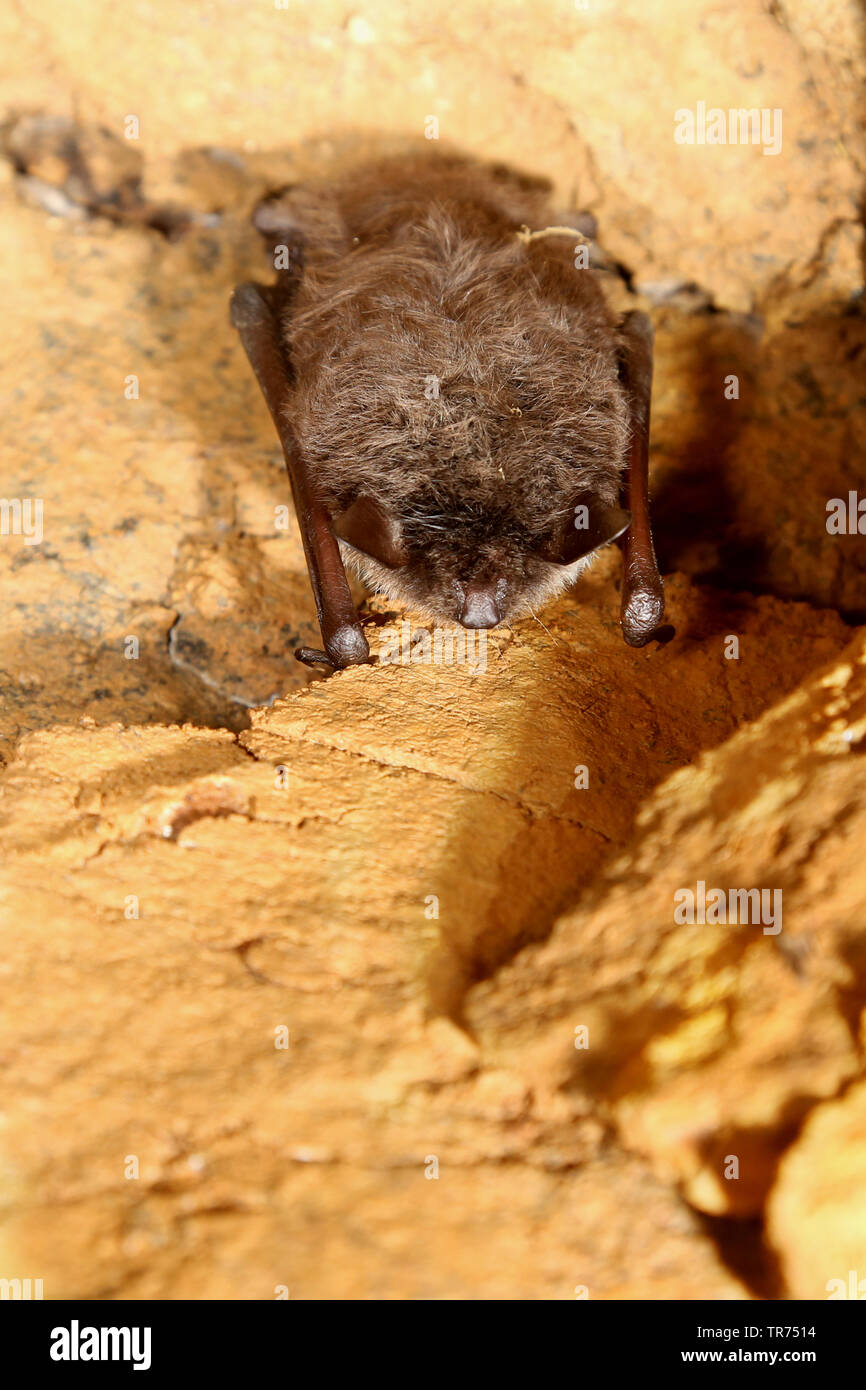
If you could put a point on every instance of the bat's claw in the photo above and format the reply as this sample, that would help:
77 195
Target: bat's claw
345 646
311 656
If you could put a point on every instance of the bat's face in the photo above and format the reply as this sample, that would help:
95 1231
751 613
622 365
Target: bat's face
470 568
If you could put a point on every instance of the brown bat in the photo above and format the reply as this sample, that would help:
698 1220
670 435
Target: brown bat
461 413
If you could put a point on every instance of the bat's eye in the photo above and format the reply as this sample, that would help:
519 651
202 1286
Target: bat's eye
368 527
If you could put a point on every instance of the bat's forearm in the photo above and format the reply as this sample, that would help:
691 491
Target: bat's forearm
643 602
342 635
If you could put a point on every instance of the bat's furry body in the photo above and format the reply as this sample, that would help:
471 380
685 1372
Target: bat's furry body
461 375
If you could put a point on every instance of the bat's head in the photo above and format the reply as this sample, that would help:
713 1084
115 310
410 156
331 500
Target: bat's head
483 502
471 566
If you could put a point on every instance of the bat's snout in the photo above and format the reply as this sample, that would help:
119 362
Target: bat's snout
481 606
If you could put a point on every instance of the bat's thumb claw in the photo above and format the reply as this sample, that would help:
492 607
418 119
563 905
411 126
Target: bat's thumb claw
312 656
345 646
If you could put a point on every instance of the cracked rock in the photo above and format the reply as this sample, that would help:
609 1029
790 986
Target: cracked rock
371 986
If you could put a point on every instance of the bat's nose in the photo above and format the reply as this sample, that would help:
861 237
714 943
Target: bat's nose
480 606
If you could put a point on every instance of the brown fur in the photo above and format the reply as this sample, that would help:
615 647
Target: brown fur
412 270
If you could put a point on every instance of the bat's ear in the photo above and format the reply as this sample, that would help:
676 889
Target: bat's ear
590 526
369 528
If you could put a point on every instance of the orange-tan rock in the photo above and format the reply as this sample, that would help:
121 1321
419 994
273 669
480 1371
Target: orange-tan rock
371 987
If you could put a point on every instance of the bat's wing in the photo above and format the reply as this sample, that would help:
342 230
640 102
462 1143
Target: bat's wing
643 598
255 314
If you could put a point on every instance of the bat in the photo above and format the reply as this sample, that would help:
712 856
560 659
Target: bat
464 419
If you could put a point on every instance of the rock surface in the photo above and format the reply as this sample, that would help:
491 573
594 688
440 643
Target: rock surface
296 970
815 1217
